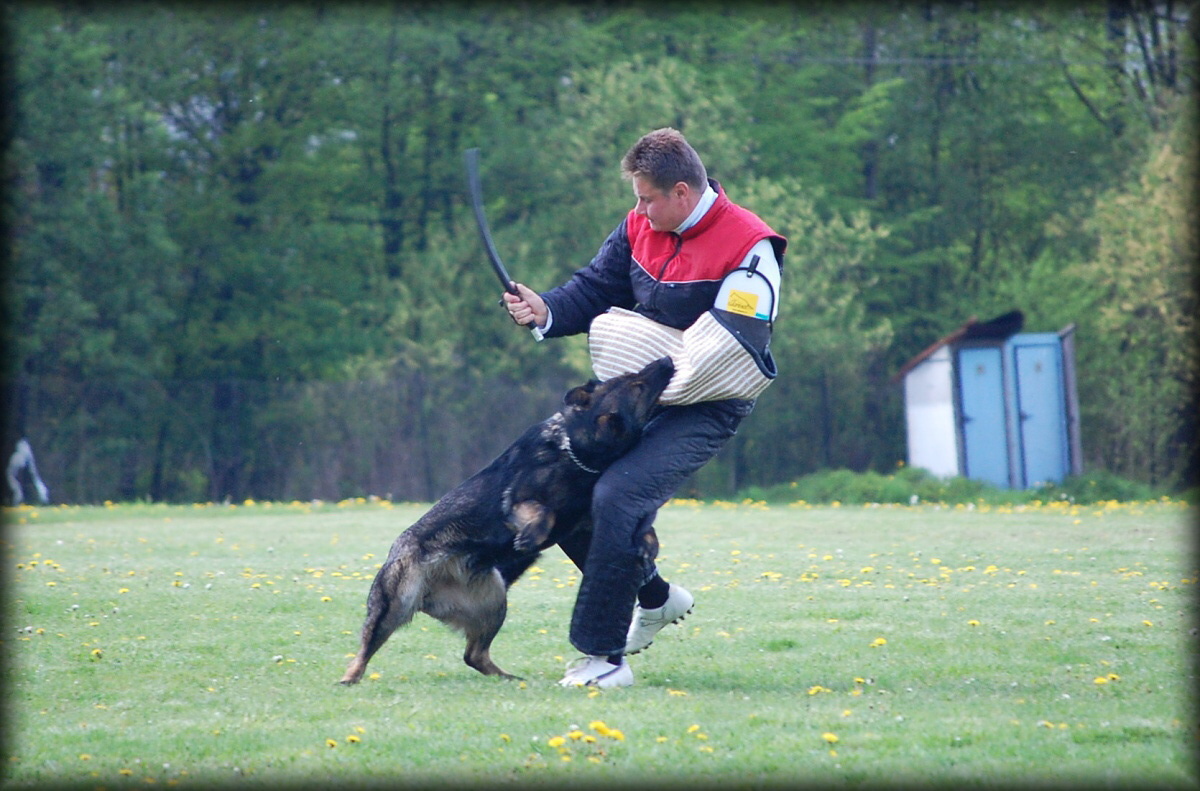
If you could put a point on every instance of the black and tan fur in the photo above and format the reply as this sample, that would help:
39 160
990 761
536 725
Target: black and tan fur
458 560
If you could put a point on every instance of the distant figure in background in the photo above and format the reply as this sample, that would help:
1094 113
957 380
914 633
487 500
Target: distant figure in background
21 459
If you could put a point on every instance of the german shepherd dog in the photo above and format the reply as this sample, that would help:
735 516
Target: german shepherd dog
457 561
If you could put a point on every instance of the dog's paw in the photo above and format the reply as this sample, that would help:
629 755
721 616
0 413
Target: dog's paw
526 541
531 524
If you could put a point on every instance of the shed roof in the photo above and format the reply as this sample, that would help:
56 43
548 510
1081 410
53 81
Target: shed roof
1003 326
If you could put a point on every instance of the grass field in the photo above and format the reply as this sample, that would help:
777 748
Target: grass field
954 646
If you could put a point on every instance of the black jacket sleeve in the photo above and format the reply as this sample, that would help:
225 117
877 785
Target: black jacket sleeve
602 284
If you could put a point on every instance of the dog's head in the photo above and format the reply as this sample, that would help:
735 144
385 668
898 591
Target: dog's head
605 419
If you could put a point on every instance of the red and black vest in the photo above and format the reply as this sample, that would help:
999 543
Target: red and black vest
668 277
676 277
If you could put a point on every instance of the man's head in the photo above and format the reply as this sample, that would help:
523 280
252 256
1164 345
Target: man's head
668 177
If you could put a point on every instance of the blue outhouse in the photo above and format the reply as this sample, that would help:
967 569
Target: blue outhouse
991 403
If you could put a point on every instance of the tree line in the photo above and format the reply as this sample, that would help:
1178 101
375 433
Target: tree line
242 263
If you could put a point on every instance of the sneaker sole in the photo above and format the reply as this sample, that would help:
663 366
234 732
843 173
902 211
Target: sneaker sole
594 682
647 645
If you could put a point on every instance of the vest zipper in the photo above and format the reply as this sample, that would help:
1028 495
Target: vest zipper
658 281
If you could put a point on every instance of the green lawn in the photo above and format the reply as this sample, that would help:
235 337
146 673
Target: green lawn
195 646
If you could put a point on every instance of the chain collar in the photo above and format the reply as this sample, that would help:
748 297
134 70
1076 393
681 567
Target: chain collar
566 446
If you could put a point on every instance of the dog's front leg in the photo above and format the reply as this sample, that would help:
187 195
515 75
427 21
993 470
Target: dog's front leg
531 522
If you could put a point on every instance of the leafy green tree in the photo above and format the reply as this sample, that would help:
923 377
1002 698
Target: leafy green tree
1140 362
242 262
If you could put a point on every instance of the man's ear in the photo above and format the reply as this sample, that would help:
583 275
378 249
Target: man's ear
580 396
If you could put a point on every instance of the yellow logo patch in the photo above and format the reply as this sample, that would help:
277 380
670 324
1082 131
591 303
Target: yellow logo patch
743 303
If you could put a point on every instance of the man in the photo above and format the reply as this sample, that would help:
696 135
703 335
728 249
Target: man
666 260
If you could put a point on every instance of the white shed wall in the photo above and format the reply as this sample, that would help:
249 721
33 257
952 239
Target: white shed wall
929 415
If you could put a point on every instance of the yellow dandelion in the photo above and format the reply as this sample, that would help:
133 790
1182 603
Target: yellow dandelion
504 737
575 735
123 590
693 728
614 733
1100 680
1148 623
85 757
676 692
352 739
972 622
374 676
330 743
832 738
556 741
125 772
878 642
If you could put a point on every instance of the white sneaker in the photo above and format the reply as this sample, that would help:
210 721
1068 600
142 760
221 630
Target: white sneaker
597 671
647 623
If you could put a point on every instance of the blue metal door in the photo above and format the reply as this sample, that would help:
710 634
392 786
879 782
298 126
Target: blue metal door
1041 412
981 400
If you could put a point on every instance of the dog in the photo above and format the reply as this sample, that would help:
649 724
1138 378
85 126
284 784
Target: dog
457 561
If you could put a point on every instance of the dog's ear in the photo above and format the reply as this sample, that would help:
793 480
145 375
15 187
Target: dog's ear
581 396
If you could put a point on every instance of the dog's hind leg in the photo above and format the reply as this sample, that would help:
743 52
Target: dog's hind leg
480 633
477 606
390 605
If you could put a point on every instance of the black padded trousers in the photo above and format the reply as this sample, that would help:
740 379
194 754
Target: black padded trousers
677 442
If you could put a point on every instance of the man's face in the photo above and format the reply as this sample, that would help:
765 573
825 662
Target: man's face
665 210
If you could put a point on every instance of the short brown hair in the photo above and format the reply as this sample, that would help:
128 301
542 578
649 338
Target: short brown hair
665 158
